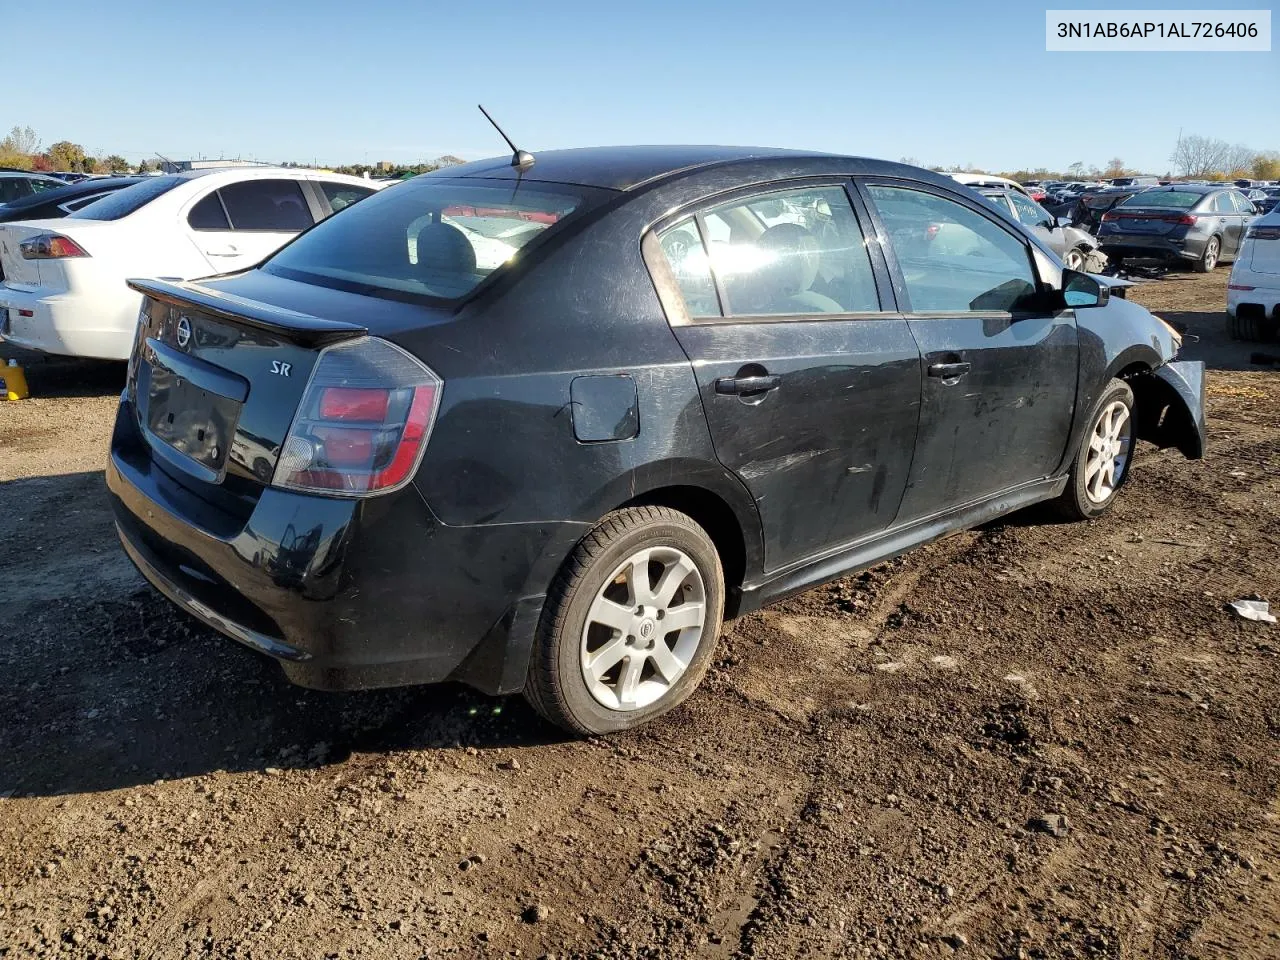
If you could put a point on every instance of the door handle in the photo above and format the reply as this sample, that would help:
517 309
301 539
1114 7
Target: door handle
949 371
738 386
228 251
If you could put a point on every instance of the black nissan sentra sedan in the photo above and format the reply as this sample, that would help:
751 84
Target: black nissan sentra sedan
543 426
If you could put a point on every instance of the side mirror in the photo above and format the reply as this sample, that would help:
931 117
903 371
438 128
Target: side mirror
1081 290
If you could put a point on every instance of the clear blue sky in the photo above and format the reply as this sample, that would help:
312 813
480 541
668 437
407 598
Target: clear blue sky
937 81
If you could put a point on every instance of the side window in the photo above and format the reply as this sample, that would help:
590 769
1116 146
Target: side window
276 205
208 214
40 186
1028 211
682 245
11 188
342 195
1243 203
1222 204
952 258
786 253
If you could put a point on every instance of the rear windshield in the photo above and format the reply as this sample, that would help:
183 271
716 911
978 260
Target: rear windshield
126 201
434 239
1175 199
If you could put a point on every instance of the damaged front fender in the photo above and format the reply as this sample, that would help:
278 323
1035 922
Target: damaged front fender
1170 402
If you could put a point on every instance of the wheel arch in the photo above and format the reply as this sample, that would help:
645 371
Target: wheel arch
1161 415
723 525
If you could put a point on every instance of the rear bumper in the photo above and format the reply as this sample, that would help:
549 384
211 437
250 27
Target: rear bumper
1264 298
344 594
66 325
1155 248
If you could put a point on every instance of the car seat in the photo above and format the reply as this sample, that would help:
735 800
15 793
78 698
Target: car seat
783 283
446 259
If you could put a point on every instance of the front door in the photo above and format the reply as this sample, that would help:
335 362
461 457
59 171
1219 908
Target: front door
810 391
999 377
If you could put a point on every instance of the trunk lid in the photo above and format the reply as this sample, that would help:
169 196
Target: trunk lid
1145 221
1264 254
214 382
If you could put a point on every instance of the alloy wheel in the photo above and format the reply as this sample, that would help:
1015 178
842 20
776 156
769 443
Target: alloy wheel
1211 254
643 628
1109 447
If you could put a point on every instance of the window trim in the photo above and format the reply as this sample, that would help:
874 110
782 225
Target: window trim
668 288
1034 252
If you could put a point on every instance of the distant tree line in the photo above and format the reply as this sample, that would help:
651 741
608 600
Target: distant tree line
1194 157
22 149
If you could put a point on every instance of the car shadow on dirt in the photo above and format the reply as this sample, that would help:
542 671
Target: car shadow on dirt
108 685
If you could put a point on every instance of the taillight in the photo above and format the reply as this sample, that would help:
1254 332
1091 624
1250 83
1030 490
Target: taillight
50 246
363 422
1268 232
1186 220
1109 217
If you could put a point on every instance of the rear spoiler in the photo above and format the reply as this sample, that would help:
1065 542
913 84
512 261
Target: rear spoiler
299 327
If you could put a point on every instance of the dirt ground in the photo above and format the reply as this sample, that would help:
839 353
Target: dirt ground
872 769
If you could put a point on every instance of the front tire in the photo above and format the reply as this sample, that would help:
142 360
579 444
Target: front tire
629 624
1209 259
1102 462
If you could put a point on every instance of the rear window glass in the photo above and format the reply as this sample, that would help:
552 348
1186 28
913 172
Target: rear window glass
432 239
126 201
1175 199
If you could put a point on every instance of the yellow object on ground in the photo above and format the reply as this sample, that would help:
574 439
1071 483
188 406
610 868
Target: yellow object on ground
13 382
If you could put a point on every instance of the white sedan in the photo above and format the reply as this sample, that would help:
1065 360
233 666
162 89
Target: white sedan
1253 292
64 289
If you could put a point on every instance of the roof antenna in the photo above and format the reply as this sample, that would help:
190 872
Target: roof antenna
522 160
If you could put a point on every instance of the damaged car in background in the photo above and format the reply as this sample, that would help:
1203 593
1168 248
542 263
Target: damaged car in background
707 378
1077 248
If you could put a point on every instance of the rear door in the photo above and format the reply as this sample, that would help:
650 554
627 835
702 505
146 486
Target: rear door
238 225
1244 207
1229 223
811 391
999 380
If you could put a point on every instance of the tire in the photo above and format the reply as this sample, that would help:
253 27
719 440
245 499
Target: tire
1209 259
1088 494
600 579
1074 258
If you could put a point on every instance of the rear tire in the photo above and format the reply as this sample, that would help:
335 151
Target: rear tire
1102 461
1209 259
602 661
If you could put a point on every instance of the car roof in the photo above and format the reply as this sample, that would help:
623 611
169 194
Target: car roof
29 174
620 168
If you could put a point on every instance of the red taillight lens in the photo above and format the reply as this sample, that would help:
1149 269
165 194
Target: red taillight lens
1110 217
354 403
1186 220
363 423
50 246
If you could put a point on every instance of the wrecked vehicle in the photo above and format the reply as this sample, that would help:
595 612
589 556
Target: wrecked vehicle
1077 248
698 386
